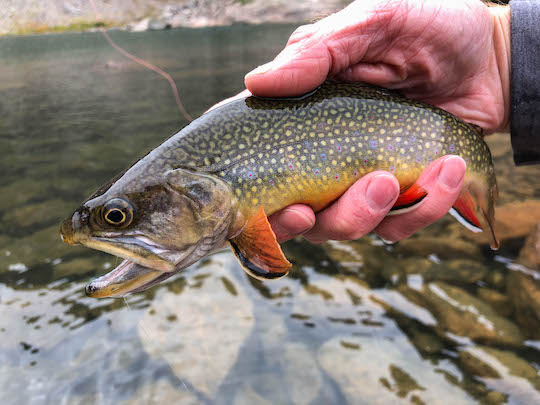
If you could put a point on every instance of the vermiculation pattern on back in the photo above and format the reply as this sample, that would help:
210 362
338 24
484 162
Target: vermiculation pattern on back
279 151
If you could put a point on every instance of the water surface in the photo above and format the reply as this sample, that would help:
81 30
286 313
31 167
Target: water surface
436 317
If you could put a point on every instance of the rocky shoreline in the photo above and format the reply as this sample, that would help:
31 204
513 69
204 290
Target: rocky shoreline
27 17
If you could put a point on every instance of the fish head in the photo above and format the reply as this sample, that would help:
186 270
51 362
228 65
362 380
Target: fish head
159 223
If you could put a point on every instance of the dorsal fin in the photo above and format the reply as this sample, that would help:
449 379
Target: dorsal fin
258 250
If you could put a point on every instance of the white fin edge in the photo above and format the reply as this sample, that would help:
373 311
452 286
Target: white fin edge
405 210
463 222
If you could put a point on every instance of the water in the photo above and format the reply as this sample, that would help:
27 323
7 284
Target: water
438 316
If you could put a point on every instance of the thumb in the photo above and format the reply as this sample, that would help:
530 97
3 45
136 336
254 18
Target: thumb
327 48
298 69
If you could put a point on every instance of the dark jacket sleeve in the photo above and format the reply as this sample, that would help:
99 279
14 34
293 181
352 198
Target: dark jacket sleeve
525 80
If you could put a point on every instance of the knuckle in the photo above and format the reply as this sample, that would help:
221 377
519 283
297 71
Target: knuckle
346 228
301 33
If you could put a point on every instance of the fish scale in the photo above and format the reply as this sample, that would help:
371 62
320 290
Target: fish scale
280 152
218 178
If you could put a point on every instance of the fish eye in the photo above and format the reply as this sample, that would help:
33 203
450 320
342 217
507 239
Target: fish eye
118 212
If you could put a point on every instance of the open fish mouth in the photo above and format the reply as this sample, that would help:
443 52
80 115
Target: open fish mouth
126 278
132 276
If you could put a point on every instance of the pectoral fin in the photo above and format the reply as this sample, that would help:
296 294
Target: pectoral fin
258 251
408 200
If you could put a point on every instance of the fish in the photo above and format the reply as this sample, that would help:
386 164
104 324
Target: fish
215 182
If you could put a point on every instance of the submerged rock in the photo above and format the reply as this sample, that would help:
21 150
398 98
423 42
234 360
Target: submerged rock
524 292
462 314
512 220
370 370
161 392
504 372
529 255
302 373
200 330
416 265
462 271
248 396
499 302
426 342
444 248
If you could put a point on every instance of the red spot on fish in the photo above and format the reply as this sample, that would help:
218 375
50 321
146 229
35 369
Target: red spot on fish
365 160
356 173
337 176
271 181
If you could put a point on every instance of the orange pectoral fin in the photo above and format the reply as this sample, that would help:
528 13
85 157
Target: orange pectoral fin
258 251
408 200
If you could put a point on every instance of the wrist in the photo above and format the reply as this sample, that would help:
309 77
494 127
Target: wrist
501 47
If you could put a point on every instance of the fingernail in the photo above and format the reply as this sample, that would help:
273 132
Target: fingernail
303 221
261 69
381 191
450 167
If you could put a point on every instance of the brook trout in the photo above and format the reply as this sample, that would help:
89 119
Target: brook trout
217 179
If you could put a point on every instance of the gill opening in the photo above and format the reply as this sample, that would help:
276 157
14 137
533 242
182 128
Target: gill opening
144 63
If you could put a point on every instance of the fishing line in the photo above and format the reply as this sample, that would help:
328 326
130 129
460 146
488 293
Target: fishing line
143 63
160 354
186 115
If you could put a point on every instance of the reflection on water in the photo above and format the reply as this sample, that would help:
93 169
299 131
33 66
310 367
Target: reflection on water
435 317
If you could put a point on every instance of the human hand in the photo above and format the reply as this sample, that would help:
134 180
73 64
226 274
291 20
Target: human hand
451 54
455 55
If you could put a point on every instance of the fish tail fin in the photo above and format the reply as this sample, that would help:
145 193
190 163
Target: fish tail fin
474 208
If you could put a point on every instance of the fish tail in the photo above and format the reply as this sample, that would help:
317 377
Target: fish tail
474 208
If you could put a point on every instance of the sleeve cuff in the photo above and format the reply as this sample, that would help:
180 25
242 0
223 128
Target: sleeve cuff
525 81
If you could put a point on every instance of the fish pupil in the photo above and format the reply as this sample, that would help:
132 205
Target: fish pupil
115 216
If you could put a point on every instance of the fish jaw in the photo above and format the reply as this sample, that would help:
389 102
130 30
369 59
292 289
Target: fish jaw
131 277
124 279
134 249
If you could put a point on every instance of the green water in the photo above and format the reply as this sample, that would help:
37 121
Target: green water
435 319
